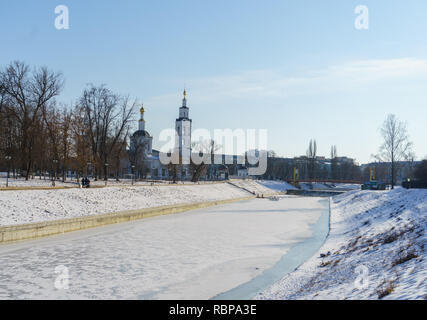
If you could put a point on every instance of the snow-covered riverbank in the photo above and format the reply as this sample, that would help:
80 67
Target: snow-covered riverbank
376 249
26 206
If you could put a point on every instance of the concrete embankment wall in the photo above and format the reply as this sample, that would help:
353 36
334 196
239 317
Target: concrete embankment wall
48 228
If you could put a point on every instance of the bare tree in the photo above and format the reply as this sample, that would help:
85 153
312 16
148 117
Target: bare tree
311 155
106 117
119 153
174 169
138 156
334 163
80 148
396 145
65 141
206 150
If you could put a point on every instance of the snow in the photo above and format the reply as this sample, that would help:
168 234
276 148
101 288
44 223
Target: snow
27 206
347 186
253 186
375 236
72 183
277 185
329 186
376 250
36 182
193 255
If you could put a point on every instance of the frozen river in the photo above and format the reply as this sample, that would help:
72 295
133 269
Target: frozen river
225 251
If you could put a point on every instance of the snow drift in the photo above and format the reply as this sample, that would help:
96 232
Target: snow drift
375 250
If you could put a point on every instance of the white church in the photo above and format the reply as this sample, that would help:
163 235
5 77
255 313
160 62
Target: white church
145 162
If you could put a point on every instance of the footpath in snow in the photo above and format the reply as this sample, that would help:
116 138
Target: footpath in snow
375 250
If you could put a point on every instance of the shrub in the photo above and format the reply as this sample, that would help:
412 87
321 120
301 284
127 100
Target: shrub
385 289
406 256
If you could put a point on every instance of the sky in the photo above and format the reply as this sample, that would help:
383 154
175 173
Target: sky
300 69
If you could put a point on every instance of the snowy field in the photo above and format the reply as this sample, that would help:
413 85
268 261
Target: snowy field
376 250
193 255
26 206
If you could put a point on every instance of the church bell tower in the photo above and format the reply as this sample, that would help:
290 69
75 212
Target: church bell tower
183 132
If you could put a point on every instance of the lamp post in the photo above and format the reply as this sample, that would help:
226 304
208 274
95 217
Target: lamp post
133 174
106 172
55 162
8 158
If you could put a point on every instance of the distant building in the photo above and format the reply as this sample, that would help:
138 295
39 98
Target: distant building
345 159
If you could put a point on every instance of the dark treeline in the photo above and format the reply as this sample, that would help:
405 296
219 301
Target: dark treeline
315 168
39 136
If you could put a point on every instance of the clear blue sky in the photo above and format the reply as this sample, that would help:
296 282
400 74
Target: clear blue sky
297 68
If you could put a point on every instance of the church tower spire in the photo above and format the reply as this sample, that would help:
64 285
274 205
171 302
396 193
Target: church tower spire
142 121
183 111
184 101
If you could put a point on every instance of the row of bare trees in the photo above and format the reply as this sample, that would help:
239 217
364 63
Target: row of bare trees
26 97
39 135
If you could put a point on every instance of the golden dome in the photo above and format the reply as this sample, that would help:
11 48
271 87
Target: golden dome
142 110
